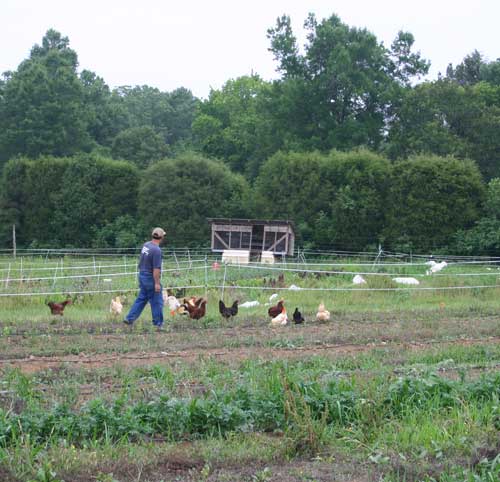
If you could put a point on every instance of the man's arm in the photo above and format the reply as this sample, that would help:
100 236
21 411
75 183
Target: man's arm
156 277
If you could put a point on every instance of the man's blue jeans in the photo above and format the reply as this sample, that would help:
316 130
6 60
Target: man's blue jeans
147 293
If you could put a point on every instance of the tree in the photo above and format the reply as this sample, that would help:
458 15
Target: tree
336 199
431 198
346 78
484 237
141 145
42 109
234 124
123 232
469 71
180 194
61 202
12 201
105 116
169 114
183 104
445 118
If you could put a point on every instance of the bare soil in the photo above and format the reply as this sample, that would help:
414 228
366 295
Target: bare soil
33 364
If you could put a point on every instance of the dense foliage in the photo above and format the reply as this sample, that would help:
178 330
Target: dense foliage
346 143
180 194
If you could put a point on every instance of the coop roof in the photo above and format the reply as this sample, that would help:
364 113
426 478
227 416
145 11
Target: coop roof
251 222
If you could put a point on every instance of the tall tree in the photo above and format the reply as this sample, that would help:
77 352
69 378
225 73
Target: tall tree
141 145
446 118
347 77
234 124
42 108
106 117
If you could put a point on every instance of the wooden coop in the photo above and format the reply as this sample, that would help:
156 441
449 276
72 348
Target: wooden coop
255 236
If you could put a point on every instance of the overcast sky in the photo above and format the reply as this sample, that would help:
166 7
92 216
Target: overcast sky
201 44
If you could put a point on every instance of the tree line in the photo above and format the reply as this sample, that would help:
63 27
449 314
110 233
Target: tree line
348 143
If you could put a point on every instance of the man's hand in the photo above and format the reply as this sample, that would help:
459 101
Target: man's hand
157 287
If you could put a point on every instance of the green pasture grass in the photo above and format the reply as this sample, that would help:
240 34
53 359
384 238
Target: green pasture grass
95 307
209 374
415 420
421 433
419 420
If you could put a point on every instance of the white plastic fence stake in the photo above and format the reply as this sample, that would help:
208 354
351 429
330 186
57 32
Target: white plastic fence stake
224 281
7 280
206 277
55 275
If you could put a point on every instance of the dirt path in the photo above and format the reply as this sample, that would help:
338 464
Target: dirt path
33 364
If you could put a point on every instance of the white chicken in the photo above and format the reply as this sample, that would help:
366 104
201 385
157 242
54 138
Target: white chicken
116 306
406 281
281 319
358 280
322 314
173 303
436 267
249 304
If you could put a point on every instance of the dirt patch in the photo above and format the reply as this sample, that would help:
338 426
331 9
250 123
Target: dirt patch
6 475
179 338
33 364
190 469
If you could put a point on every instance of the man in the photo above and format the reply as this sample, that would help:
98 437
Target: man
149 281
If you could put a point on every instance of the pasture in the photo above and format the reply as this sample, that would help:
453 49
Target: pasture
403 382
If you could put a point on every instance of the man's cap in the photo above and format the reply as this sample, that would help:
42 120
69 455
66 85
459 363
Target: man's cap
158 233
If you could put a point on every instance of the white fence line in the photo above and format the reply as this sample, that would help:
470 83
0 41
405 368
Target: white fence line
366 273
428 288
88 266
240 287
265 268
92 292
100 275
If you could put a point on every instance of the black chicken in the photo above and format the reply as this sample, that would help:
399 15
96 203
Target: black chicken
228 312
297 317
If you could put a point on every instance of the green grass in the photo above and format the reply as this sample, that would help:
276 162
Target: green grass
421 419
410 402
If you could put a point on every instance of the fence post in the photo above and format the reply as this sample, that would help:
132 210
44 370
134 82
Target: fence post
224 281
206 277
55 274
14 246
8 275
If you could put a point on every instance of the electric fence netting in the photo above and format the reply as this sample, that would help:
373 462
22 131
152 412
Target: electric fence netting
79 272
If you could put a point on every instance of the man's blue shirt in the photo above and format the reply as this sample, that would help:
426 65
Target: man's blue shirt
150 258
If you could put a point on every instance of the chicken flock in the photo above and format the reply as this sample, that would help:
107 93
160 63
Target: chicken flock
195 307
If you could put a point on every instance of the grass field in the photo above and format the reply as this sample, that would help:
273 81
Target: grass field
402 384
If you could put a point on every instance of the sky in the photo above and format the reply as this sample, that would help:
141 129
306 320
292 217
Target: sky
202 44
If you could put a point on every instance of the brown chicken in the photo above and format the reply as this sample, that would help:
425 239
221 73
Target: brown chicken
274 311
195 307
58 308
